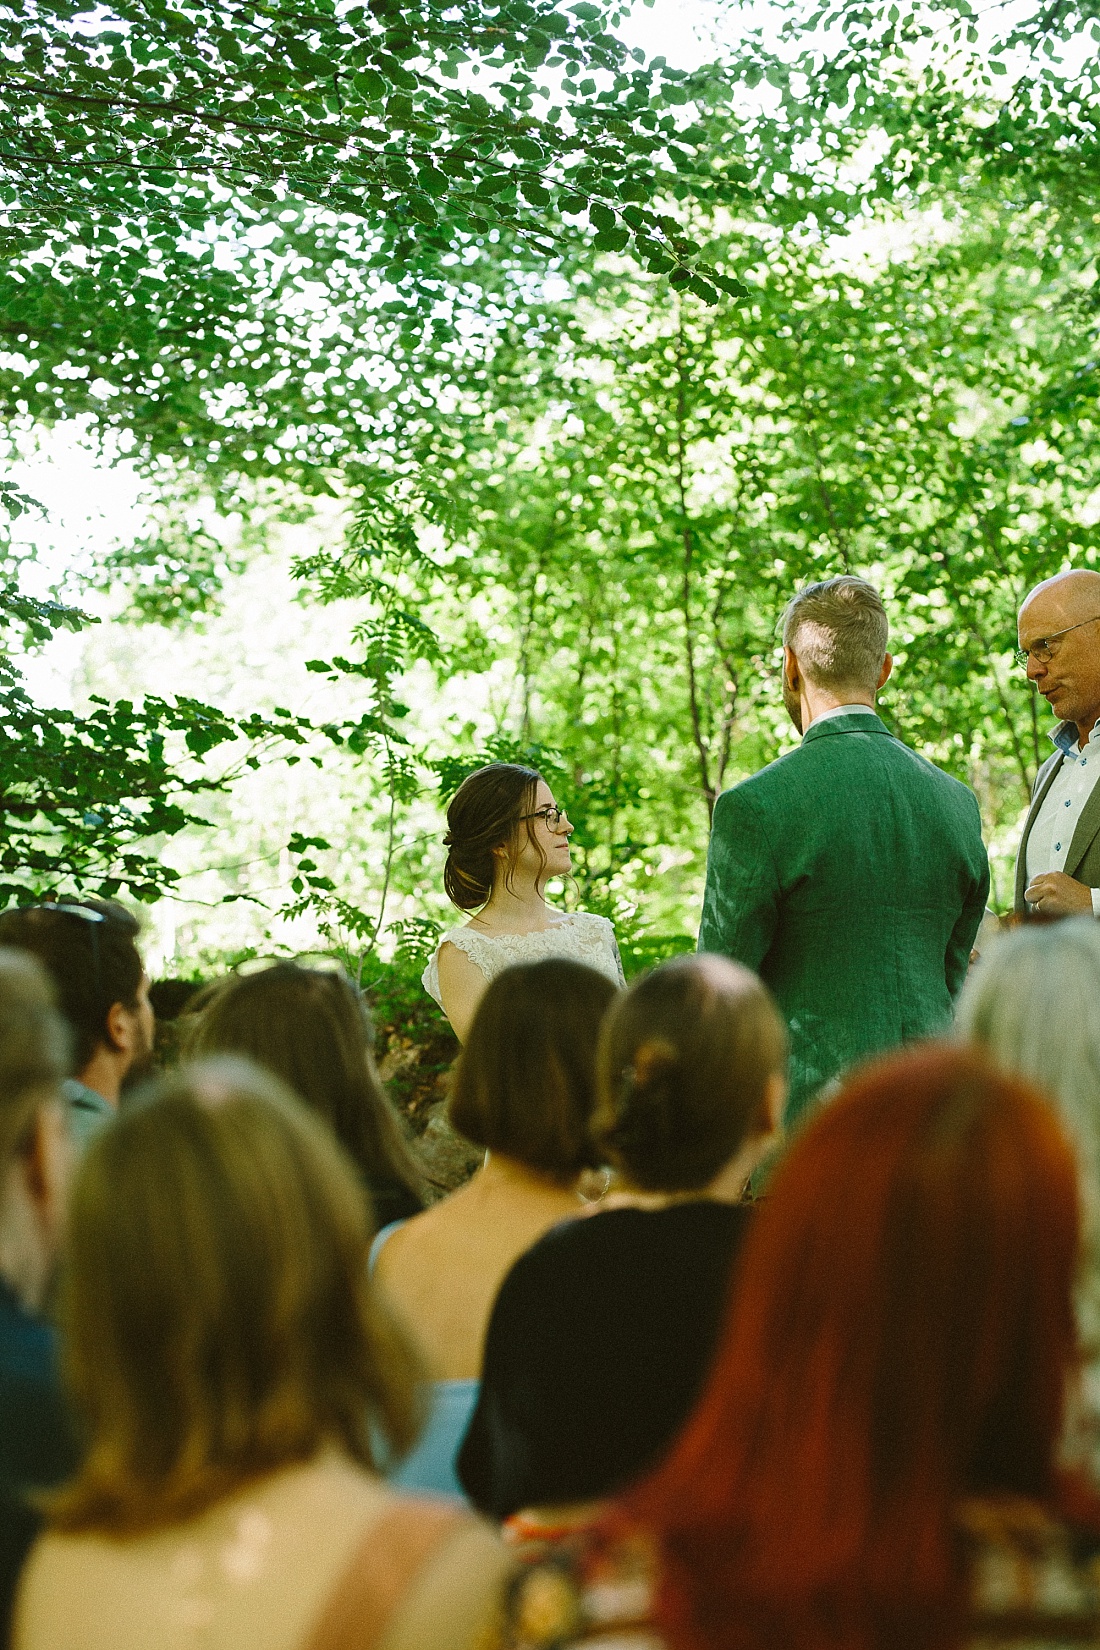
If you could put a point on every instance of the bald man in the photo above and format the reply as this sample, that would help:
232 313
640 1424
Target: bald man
1058 866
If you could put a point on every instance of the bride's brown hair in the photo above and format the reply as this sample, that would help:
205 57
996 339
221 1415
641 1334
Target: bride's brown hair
484 814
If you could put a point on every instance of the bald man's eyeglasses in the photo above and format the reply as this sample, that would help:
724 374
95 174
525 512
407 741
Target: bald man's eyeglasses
1043 650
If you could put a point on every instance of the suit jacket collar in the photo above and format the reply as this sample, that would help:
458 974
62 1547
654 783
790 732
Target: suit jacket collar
1065 740
1044 780
1088 824
857 722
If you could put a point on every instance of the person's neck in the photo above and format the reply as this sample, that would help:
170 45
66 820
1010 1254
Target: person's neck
1084 731
519 909
500 1172
728 1185
104 1075
815 702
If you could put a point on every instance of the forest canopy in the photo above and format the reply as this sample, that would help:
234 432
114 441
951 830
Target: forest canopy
586 361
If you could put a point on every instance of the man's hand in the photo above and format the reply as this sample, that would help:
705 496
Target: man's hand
1056 895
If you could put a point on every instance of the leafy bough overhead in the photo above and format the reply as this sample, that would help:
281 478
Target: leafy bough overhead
88 799
957 97
152 112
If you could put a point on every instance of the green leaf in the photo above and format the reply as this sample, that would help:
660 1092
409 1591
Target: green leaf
433 180
370 84
703 289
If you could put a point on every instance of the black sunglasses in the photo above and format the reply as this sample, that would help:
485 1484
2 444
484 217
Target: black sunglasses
85 914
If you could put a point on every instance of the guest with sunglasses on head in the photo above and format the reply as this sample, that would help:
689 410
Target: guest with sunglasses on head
506 839
88 948
1058 865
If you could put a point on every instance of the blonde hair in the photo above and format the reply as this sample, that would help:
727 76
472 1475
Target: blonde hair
34 1046
218 1314
1034 1002
838 628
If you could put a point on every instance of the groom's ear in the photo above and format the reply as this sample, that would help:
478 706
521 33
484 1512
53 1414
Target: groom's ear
791 673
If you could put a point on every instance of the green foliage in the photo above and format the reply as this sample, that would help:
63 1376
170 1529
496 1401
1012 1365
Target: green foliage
1006 102
86 797
159 117
648 480
599 383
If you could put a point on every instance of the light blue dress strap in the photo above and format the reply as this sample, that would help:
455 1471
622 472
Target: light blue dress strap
380 1238
430 1465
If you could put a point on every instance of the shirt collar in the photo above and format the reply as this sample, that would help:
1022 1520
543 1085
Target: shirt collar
1066 737
843 710
79 1094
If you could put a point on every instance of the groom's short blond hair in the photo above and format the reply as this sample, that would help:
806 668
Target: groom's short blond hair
838 629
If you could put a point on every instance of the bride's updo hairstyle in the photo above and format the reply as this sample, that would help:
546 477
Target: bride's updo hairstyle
484 814
682 1071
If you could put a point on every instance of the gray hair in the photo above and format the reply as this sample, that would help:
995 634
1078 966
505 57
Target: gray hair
1034 1003
838 630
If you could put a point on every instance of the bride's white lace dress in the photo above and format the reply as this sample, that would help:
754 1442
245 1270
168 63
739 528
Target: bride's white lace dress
582 937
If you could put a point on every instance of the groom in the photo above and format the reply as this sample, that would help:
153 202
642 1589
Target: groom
851 872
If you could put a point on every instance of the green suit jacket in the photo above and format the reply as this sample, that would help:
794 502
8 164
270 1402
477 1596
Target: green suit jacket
851 875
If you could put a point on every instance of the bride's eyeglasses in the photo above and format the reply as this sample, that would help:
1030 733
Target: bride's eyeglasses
552 816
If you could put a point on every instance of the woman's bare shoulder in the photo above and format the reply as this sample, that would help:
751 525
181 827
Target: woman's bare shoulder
457 1602
459 953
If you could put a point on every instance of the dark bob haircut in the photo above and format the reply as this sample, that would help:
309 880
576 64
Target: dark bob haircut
525 1083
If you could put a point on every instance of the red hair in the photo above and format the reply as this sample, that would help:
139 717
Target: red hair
902 1333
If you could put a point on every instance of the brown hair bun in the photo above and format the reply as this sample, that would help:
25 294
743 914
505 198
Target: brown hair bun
684 1062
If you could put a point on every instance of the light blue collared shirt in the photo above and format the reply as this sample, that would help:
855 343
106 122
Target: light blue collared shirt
88 1112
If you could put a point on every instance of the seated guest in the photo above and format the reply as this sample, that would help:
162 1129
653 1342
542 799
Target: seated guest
89 949
524 1088
603 1332
875 1460
233 1366
311 1028
36 1445
1034 1002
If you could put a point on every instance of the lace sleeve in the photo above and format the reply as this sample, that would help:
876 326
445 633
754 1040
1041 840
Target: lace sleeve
474 946
611 944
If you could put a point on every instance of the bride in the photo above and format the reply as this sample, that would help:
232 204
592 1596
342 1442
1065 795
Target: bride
506 837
